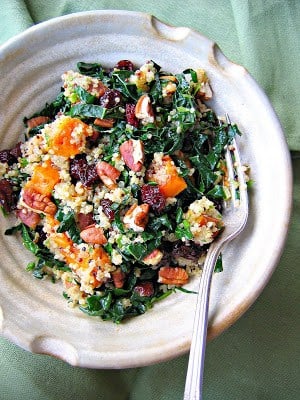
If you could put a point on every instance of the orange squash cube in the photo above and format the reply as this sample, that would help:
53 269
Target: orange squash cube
165 174
44 178
67 136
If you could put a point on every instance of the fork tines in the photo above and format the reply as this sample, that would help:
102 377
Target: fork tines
236 176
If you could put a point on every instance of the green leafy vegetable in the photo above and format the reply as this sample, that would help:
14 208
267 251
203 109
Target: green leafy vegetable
183 231
183 128
87 110
68 224
91 69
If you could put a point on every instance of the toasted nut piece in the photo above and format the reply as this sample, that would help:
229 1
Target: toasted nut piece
168 78
173 276
169 89
36 121
205 91
104 123
28 217
144 110
108 174
153 258
136 218
118 277
38 202
93 234
85 220
132 152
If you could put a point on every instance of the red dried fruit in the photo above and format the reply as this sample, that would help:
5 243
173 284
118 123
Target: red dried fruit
81 170
16 151
6 157
130 115
111 98
7 196
106 207
95 136
144 289
153 196
125 64
192 252
11 156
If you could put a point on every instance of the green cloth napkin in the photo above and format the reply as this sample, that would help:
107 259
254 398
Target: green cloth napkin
257 358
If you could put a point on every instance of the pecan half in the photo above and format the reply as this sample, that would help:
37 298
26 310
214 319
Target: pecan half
132 152
173 276
28 217
136 218
36 121
153 258
108 174
104 122
93 234
118 277
144 110
38 202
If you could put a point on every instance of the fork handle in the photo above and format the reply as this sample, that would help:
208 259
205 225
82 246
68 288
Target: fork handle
194 377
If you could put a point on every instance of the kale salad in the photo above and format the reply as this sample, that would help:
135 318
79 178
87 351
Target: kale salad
118 185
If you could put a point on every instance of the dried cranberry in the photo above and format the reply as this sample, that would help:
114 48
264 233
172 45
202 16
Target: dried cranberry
152 195
111 98
144 289
92 140
125 64
6 157
90 176
11 156
130 115
76 165
85 220
7 196
16 151
191 252
81 170
106 207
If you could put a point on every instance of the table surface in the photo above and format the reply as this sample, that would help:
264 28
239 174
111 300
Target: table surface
258 357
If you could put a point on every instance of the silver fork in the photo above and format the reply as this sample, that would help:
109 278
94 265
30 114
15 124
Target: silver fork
235 214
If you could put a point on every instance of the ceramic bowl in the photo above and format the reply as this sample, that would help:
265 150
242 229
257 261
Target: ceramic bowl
33 313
